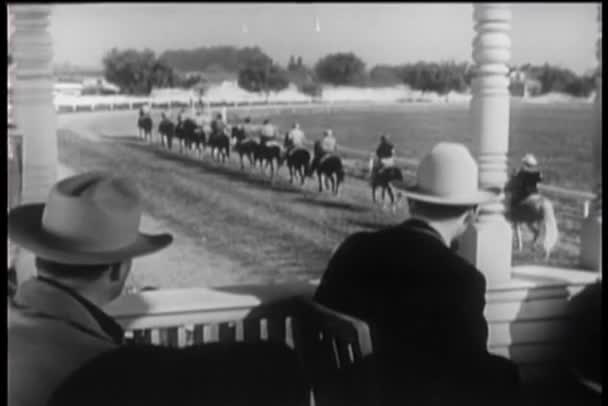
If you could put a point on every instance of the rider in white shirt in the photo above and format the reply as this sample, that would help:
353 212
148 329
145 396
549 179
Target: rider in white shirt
295 137
328 143
268 134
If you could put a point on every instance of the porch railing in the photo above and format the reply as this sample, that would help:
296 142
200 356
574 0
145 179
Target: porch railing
528 318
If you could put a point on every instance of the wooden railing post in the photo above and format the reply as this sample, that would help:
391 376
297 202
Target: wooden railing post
591 234
488 244
32 105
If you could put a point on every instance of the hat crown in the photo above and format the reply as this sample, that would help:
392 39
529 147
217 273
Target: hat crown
529 160
448 171
93 211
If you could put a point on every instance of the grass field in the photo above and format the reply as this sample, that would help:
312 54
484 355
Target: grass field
279 232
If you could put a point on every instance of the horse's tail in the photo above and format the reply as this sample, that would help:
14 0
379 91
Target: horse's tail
551 234
370 165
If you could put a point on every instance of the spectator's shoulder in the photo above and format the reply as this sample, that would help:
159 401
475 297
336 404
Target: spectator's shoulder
352 243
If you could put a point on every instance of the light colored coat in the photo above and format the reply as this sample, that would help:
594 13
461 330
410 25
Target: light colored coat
297 138
50 335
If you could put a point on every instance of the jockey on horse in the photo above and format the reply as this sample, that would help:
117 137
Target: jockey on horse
268 134
527 205
523 184
385 155
323 148
294 139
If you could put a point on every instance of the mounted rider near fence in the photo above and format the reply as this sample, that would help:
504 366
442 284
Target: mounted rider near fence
219 140
297 157
245 144
144 123
269 151
166 130
383 169
327 164
525 205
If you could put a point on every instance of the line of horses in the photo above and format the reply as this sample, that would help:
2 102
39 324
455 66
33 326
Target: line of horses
536 213
194 138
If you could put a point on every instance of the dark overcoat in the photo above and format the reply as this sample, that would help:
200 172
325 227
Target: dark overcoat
423 302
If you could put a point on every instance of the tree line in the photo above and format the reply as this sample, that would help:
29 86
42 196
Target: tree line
137 72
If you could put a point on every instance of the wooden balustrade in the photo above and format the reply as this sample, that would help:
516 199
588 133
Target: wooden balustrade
527 316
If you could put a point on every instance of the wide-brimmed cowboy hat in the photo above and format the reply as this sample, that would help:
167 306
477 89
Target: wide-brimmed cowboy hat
89 219
448 175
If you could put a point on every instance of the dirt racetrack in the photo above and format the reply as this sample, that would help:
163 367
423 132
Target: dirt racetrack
230 226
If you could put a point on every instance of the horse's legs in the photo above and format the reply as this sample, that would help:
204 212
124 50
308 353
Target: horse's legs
319 176
290 173
390 194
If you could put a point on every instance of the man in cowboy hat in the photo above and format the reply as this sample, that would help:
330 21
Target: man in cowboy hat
423 302
62 347
84 239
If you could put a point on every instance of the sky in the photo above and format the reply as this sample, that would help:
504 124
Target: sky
390 33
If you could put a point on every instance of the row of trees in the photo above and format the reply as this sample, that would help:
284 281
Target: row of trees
138 72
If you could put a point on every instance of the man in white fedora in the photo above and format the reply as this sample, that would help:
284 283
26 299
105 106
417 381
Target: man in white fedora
64 350
423 302
84 239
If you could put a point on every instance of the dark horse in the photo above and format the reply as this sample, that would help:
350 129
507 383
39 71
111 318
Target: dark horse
186 133
144 124
382 177
244 146
298 162
166 130
219 142
331 167
267 156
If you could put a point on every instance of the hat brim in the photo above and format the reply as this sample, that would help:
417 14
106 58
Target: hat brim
414 192
25 229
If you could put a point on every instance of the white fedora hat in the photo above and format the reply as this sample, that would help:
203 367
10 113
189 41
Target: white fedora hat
89 219
529 161
448 175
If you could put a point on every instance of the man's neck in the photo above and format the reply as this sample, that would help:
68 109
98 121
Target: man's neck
444 229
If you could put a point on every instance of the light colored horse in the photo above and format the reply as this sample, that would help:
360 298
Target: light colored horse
537 213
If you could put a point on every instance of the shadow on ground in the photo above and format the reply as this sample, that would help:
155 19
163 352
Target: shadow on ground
329 204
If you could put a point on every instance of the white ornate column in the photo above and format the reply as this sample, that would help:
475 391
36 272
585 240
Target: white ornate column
33 109
591 235
488 243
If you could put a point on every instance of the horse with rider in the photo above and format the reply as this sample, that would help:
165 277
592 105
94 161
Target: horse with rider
383 169
144 123
219 140
525 205
245 143
269 151
326 162
296 155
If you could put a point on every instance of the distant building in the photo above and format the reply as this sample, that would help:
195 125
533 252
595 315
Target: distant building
68 89
98 86
523 85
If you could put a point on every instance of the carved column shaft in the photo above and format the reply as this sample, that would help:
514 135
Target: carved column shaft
32 108
591 234
488 243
